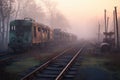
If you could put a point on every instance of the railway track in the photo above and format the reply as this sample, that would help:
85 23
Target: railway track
60 67
5 57
8 57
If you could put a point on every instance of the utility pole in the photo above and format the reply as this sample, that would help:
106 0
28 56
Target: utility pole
117 32
114 21
105 20
107 24
115 39
98 32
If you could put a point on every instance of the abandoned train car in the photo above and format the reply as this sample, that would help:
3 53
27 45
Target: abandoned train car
25 33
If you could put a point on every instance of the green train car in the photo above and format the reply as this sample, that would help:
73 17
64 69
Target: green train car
26 33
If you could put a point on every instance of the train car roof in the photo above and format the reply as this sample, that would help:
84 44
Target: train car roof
17 22
42 25
26 21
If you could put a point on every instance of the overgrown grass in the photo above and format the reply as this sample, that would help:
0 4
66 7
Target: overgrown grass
18 67
21 65
91 61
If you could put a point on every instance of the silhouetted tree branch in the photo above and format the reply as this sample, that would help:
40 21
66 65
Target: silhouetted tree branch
56 19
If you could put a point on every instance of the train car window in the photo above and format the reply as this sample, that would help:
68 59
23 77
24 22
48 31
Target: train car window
14 27
48 35
11 28
39 29
34 31
42 30
46 30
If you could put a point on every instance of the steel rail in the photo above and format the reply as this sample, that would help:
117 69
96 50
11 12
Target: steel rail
30 75
60 76
8 58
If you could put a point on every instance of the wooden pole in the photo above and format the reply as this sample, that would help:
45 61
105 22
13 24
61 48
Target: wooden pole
107 24
105 20
115 39
98 32
117 32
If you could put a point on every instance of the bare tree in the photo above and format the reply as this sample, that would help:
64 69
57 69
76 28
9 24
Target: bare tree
51 10
28 8
56 19
5 12
60 21
20 6
34 11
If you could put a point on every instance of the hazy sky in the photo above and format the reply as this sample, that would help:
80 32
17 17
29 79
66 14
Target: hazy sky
84 15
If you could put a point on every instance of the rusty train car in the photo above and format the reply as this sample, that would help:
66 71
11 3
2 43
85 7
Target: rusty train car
63 37
26 33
